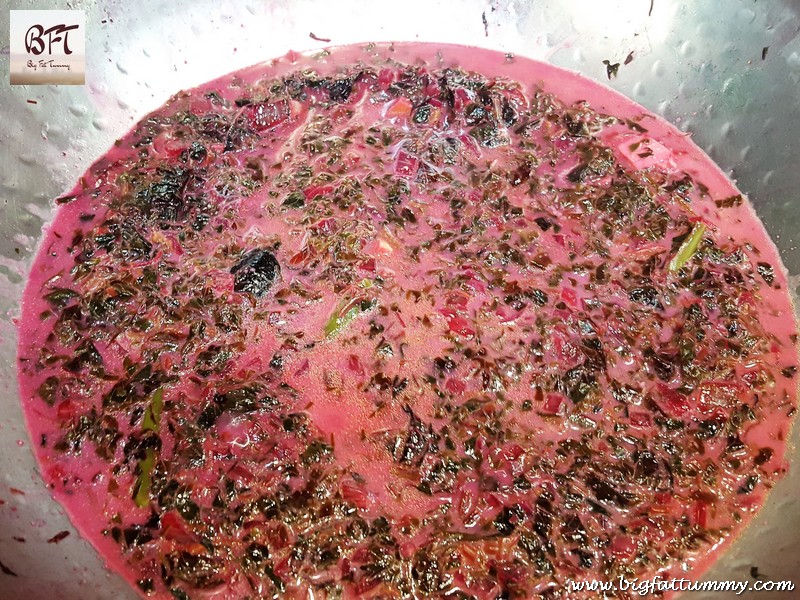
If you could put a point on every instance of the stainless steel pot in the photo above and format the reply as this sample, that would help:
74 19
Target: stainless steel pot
728 73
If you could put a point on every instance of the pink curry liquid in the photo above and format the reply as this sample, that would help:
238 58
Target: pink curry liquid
520 332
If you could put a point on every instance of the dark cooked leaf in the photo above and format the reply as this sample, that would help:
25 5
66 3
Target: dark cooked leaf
256 272
419 440
163 200
200 571
766 271
47 390
646 295
295 200
60 297
339 90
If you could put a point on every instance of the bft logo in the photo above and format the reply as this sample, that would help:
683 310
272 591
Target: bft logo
48 47
34 39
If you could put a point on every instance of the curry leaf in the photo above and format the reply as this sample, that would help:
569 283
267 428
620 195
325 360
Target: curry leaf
344 315
141 490
152 415
688 248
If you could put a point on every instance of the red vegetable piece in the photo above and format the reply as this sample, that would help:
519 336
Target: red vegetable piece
266 115
455 386
640 418
355 495
510 573
399 108
458 300
623 546
301 257
461 98
406 165
569 296
325 226
672 402
66 410
303 368
662 498
317 190
712 394
566 352
354 364
469 145
457 323
386 77
512 452
552 403
700 513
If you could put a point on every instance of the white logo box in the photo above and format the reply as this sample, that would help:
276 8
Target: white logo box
48 47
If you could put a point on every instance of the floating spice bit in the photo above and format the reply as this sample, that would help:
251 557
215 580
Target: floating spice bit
611 68
58 537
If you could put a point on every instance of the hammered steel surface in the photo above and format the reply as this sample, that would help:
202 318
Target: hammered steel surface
727 72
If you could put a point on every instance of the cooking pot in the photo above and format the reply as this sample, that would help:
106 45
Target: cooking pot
726 73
